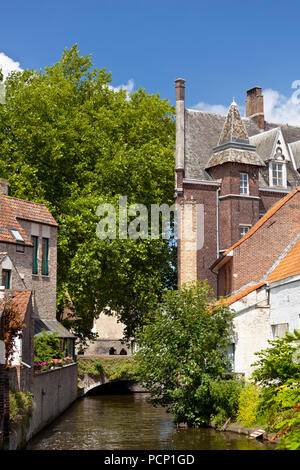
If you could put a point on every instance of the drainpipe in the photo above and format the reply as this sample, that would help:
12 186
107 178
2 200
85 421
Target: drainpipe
218 240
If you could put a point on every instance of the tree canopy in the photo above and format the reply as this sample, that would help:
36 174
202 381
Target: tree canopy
182 350
69 140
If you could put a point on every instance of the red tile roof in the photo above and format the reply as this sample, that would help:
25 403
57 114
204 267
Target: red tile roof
20 300
289 266
241 294
12 209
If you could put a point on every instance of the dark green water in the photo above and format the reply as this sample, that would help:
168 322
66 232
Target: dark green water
122 422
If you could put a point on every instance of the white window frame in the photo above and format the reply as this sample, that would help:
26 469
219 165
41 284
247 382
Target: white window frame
283 174
244 226
244 183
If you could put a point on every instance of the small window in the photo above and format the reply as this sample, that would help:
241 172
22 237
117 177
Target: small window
280 329
35 242
45 254
20 248
277 174
17 235
6 278
243 230
244 183
231 355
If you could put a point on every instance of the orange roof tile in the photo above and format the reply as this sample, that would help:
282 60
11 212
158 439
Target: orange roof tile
240 295
12 209
20 300
263 219
289 266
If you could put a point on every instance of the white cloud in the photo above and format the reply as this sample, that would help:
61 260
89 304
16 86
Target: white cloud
8 65
129 87
282 109
278 107
211 108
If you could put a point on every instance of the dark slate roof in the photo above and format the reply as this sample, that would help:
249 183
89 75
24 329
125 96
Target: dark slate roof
51 326
233 129
202 135
295 148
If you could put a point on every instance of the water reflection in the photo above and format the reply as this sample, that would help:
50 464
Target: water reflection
122 422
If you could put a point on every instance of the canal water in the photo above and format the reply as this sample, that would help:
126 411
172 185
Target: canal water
123 422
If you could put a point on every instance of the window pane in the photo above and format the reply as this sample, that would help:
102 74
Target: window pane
277 174
243 230
45 251
35 241
244 183
6 276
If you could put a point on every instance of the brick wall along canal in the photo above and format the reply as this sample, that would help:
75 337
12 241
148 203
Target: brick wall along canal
122 422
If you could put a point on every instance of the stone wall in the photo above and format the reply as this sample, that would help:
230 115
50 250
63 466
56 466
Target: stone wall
53 393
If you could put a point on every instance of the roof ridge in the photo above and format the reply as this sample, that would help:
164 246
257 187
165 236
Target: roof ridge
24 200
263 219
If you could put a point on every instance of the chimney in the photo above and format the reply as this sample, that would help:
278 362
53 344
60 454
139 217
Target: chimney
4 186
179 151
255 106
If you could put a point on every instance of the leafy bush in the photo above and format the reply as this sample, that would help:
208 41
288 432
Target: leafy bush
248 405
47 347
278 375
113 368
182 348
225 398
20 405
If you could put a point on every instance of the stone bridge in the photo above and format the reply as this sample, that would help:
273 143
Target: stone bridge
89 383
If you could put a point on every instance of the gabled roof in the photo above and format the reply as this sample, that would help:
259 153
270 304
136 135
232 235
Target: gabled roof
12 210
20 300
202 133
241 294
51 326
287 267
265 142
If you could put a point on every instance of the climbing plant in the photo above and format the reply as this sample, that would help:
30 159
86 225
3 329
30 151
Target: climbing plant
12 325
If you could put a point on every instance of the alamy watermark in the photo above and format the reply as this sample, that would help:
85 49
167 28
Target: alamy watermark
134 222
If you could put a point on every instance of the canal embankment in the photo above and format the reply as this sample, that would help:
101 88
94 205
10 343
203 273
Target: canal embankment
53 392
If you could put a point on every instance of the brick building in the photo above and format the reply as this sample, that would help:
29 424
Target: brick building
28 265
229 172
266 282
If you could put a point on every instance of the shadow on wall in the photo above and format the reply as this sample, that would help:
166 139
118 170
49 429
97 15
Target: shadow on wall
118 387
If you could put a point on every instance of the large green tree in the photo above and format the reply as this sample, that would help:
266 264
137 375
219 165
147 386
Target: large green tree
69 140
182 352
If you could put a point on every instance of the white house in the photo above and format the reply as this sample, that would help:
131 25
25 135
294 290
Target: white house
266 310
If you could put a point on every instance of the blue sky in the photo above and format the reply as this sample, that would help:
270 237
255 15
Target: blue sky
221 47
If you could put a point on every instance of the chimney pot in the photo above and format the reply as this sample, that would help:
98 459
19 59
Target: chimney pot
255 106
179 87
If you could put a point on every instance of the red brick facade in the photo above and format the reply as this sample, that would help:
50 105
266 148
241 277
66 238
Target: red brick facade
254 256
212 155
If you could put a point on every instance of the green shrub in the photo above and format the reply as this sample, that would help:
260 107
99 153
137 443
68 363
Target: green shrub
46 347
248 401
278 375
20 405
225 398
113 368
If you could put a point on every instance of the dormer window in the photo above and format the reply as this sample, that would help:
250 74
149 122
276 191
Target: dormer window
277 169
